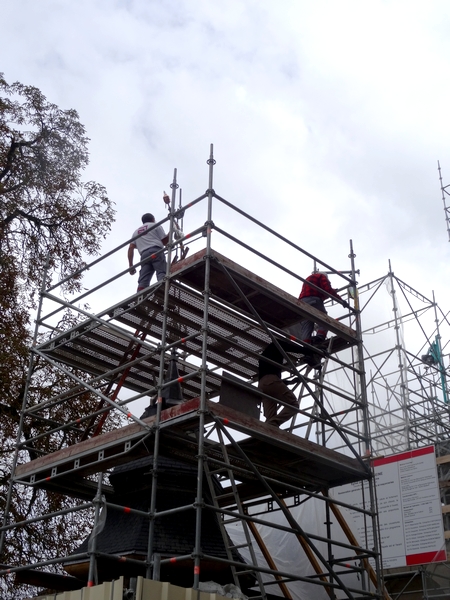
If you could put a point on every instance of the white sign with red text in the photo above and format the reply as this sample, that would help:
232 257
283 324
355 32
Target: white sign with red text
409 508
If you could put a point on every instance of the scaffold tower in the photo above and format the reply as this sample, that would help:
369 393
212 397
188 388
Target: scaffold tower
406 371
165 382
406 347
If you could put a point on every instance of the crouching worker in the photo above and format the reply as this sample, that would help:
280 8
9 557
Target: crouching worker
149 245
270 367
315 290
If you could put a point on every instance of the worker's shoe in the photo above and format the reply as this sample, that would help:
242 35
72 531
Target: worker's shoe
317 340
314 361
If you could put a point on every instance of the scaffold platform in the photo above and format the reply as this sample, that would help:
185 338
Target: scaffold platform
235 336
280 455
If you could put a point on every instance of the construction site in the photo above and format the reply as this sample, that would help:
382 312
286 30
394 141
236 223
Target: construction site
187 489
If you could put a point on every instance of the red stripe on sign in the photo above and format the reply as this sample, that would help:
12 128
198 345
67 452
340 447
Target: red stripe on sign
426 557
422 451
403 456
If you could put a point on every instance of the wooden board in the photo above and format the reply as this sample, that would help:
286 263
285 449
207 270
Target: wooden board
272 304
290 459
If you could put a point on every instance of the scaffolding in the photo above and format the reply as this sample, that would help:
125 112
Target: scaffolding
408 391
407 369
211 317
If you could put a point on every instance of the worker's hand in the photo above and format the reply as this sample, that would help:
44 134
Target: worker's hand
345 304
132 271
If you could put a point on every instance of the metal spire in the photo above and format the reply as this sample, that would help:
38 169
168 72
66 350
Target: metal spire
444 191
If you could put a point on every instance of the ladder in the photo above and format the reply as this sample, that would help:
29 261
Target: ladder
130 355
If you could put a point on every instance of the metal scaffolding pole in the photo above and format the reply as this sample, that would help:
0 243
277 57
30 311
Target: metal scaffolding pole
404 395
21 422
159 401
362 385
205 331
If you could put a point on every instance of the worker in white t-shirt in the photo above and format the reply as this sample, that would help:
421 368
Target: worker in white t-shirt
150 245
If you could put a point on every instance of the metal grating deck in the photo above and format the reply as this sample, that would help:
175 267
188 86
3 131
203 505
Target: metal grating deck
235 336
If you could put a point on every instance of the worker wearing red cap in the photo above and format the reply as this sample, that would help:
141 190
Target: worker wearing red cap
315 290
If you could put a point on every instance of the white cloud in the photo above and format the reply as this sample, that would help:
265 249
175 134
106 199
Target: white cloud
327 118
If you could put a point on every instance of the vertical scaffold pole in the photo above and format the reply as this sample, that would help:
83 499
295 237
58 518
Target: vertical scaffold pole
92 545
442 371
404 392
24 403
153 495
201 441
366 428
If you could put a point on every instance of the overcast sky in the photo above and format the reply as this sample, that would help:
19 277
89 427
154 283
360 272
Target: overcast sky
327 117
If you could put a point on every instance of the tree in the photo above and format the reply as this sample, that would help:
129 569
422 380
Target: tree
48 217
46 213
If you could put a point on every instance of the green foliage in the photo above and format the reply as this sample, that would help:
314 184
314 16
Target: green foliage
48 216
46 211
